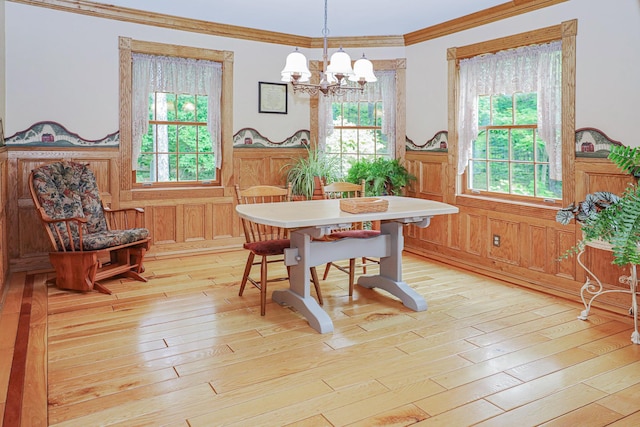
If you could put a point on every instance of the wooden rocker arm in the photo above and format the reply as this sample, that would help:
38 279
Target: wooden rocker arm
125 218
56 239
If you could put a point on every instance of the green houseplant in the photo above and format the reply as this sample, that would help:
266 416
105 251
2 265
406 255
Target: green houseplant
304 172
383 176
609 218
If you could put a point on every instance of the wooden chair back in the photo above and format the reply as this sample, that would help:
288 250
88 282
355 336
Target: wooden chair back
255 232
343 190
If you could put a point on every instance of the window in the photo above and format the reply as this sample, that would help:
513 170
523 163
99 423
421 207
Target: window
508 155
178 146
357 133
364 125
176 109
502 151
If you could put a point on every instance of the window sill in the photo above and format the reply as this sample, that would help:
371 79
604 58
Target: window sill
541 209
168 193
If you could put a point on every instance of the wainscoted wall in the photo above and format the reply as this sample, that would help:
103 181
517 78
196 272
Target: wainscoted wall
531 241
181 221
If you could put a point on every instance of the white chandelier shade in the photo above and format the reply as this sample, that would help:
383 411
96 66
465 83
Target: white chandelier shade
340 64
363 69
296 64
336 75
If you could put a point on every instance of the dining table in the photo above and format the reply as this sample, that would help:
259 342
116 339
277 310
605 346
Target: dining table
308 221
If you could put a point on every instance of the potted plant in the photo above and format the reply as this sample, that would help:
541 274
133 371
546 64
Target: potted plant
305 172
383 176
611 219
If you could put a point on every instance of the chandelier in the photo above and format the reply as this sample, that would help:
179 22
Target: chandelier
336 75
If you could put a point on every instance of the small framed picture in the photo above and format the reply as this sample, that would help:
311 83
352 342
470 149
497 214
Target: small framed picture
1 133
272 97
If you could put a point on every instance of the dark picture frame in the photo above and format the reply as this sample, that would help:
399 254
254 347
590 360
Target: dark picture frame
272 97
1 133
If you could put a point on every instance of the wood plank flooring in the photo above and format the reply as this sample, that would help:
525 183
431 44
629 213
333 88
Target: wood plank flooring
184 349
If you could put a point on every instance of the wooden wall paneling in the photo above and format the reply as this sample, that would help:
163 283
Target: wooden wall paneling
263 166
510 236
250 172
537 251
564 241
413 165
33 238
475 236
163 227
432 179
455 232
224 221
194 222
278 169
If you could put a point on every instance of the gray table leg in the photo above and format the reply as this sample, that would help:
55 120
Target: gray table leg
390 277
298 295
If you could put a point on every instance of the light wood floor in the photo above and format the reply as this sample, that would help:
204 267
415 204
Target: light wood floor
184 349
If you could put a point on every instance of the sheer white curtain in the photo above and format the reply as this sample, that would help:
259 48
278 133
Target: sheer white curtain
536 68
152 73
384 89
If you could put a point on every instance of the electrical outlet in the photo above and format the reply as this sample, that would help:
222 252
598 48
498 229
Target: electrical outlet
496 240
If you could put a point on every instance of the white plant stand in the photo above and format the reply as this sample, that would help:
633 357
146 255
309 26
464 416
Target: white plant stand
590 290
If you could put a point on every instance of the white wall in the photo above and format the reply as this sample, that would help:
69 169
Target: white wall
607 64
64 67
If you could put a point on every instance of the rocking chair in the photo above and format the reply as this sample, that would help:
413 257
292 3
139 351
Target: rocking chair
90 242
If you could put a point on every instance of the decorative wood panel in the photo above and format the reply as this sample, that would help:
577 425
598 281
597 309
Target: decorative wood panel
163 224
432 176
251 172
565 267
509 234
33 238
225 220
437 231
263 166
194 222
474 233
537 249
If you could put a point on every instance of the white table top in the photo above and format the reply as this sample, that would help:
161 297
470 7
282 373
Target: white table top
312 213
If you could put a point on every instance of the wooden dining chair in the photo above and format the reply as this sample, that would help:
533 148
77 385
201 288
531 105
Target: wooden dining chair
341 190
265 241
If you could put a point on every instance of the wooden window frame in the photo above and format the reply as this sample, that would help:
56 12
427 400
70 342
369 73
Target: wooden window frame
127 47
566 32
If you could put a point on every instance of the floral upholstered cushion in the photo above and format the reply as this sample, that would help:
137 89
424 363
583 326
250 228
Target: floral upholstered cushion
69 190
107 239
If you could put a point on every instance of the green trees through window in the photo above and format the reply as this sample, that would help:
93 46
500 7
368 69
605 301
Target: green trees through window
508 156
178 146
357 133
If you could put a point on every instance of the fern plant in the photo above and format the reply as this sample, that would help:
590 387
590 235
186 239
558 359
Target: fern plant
382 176
612 219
